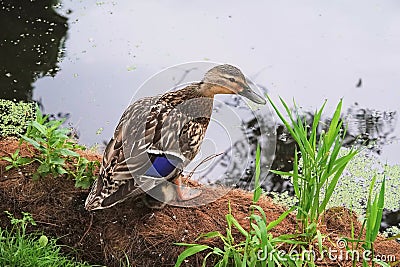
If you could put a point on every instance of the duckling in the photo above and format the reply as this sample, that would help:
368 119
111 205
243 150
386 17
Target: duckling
158 136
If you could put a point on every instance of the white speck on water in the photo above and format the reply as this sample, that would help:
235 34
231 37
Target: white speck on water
8 74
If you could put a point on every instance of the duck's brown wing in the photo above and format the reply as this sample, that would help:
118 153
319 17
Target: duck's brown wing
151 128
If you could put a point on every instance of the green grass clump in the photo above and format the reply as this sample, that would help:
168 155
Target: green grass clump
14 117
17 248
322 164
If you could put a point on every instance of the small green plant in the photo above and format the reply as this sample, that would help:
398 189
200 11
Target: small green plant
84 172
52 142
373 218
17 248
54 150
259 247
371 224
322 164
16 160
372 221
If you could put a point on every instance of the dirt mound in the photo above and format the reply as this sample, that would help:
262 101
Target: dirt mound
130 230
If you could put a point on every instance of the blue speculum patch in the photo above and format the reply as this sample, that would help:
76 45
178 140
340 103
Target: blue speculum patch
162 166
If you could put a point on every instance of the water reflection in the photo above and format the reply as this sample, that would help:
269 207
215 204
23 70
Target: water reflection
31 44
370 127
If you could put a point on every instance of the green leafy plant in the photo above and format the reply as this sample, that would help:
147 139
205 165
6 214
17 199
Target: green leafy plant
16 160
84 172
322 164
17 248
54 150
52 142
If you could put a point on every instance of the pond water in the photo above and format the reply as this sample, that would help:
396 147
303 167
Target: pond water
86 60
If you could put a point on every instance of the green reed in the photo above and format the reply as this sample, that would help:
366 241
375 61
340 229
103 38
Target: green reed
322 163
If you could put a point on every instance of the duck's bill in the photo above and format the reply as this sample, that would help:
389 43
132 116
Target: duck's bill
251 95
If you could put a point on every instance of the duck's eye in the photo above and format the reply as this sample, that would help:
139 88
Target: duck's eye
232 80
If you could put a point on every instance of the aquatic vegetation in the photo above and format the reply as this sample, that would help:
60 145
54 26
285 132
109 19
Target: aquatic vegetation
283 199
352 189
14 117
17 248
393 231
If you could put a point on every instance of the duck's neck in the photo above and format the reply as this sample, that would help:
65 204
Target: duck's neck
210 89
207 89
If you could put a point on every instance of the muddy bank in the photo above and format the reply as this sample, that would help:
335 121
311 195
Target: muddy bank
132 231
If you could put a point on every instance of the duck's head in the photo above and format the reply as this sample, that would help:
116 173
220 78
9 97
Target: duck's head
227 79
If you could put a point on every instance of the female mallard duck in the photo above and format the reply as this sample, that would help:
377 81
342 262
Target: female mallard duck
158 136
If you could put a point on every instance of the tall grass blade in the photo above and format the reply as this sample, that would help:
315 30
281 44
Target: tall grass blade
379 211
333 128
257 188
331 187
295 175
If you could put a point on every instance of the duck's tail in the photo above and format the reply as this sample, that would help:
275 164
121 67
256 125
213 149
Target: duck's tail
104 195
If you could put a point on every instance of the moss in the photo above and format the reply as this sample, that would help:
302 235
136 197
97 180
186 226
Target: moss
14 117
